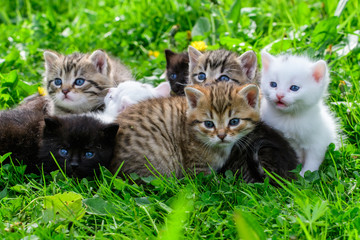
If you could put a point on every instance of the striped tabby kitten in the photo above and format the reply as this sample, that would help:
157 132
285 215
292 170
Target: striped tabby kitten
194 132
222 65
78 82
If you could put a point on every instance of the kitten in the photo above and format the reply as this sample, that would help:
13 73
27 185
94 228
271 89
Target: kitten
293 88
79 144
129 93
20 133
196 132
222 65
264 147
78 83
177 71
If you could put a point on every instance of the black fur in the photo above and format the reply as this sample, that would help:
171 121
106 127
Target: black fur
77 135
177 63
262 148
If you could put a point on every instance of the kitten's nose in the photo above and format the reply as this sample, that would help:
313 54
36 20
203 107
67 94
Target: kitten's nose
74 164
279 96
221 134
65 91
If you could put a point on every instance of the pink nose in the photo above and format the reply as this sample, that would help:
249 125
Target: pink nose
279 96
222 136
65 91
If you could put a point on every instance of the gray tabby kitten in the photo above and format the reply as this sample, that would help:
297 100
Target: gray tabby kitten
222 65
78 83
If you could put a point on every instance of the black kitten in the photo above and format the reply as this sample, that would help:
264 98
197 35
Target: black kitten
79 144
177 71
262 148
20 133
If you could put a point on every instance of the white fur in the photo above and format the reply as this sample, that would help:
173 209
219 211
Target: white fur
300 115
129 93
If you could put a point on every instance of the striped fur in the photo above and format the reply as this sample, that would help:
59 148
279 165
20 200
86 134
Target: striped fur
169 134
240 69
99 71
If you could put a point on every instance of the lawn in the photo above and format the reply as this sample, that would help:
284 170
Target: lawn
323 205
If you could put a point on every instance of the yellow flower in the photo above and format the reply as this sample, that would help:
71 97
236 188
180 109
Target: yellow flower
154 54
41 91
199 45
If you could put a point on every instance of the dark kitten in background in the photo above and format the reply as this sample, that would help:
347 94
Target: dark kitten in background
177 71
262 148
20 132
79 144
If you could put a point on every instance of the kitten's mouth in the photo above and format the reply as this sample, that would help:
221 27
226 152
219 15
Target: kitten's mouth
280 104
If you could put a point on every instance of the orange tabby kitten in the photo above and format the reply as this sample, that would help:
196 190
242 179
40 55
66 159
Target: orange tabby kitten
195 132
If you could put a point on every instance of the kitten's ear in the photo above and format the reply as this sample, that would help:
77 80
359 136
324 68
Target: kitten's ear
124 103
248 61
163 89
169 54
50 59
251 94
110 130
194 55
100 60
319 70
266 60
193 96
51 124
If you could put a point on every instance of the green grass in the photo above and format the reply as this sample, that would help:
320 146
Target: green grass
323 205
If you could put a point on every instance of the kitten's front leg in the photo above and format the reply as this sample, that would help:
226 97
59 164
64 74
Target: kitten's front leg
313 159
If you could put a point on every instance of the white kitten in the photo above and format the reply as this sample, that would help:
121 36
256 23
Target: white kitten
129 93
293 88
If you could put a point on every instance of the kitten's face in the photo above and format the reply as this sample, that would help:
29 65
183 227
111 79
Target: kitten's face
177 71
78 82
223 113
132 92
221 65
79 144
291 83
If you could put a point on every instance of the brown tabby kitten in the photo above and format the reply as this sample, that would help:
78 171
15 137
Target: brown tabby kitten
177 71
222 65
185 133
78 82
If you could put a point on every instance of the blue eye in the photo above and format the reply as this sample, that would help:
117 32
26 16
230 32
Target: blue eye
173 76
209 124
234 121
294 88
63 152
224 78
89 155
79 81
273 84
202 76
57 82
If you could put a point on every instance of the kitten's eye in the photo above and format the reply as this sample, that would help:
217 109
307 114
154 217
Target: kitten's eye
173 76
79 81
208 124
273 84
63 152
224 78
57 82
89 155
234 122
202 77
294 88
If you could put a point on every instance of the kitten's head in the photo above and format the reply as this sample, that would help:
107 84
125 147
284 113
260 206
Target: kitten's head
293 83
222 113
177 71
132 92
78 82
221 65
79 144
